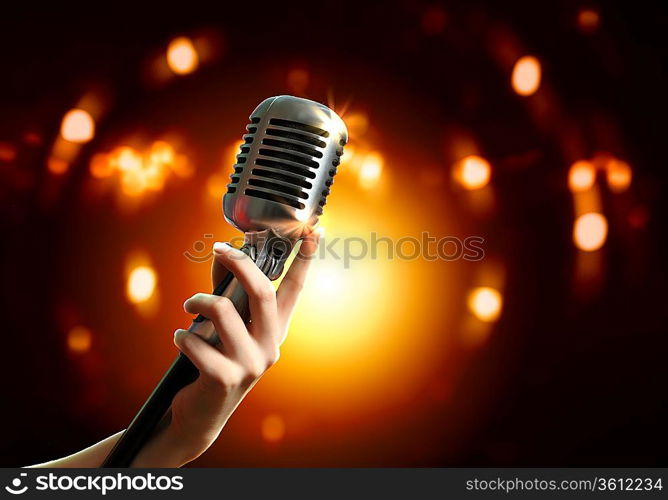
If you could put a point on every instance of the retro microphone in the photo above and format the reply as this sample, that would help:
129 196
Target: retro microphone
279 187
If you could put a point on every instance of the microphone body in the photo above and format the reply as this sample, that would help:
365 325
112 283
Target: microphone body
277 192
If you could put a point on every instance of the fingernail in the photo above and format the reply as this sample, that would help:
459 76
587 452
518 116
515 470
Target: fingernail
222 248
179 333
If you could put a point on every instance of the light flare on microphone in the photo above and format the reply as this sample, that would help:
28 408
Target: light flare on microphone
302 215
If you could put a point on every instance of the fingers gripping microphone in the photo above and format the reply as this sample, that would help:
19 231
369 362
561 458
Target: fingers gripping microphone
279 187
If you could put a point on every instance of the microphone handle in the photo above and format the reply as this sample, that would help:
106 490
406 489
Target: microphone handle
181 373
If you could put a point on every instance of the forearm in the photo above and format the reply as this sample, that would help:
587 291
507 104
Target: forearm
160 451
91 457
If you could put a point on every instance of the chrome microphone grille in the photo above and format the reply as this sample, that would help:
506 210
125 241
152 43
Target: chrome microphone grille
285 166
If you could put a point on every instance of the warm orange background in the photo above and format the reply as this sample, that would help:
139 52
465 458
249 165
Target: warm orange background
530 126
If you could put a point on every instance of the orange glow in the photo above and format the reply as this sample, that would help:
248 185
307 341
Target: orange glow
273 428
100 166
359 160
588 20
77 126
334 329
230 155
216 185
79 339
182 57
601 159
581 176
590 231
182 167
472 172
128 159
161 152
349 156
57 166
619 175
370 170
141 284
130 163
7 151
485 303
357 124
526 75
141 171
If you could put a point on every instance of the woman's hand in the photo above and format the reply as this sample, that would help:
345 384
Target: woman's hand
228 371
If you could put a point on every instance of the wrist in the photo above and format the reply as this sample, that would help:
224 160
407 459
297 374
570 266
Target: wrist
165 449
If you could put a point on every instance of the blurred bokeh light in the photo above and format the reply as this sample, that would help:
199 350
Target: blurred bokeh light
588 20
526 76
141 284
485 303
619 175
581 176
77 126
182 56
7 152
472 172
79 339
273 428
371 170
590 231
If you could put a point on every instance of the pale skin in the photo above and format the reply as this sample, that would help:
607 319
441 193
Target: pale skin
227 372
